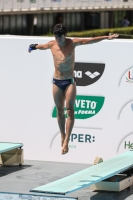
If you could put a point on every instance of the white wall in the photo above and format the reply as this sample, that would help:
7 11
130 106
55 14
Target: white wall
26 102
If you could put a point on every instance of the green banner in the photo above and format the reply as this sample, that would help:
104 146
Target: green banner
85 107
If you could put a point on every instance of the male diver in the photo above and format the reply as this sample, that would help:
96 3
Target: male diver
64 84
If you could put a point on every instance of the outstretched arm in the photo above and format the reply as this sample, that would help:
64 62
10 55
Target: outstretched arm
40 46
78 41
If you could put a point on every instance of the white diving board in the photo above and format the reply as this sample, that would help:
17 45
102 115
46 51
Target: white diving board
7 146
89 176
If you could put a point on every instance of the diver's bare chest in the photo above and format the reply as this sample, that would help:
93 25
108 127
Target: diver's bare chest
62 53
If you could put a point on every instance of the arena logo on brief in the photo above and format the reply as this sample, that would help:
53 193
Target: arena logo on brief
88 73
85 107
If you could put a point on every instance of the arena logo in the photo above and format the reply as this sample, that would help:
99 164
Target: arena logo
129 77
88 73
85 107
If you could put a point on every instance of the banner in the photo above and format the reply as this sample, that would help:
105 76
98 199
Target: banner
103 106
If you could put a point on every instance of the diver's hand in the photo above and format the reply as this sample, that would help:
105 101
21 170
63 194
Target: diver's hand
110 37
32 47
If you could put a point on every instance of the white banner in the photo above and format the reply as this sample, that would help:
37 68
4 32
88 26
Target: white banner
103 106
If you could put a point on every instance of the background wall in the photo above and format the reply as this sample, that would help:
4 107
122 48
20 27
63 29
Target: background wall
33 5
103 107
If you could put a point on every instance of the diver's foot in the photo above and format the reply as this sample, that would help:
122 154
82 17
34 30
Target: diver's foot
65 148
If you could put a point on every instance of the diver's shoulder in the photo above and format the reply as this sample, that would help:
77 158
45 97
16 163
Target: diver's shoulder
69 40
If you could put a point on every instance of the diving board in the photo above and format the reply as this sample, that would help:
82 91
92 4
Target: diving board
89 176
7 146
11 153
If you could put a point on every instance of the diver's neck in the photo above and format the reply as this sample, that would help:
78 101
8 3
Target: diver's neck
63 44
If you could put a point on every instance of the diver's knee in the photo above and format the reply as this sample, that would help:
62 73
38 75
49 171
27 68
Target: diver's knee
60 111
70 113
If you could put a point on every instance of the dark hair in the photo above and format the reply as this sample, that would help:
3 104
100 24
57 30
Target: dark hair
59 29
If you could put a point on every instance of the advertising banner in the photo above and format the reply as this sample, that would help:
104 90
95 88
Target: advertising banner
103 106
